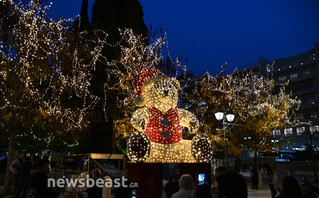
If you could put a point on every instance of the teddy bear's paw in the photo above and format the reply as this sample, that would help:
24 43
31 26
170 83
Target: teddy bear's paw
138 147
202 148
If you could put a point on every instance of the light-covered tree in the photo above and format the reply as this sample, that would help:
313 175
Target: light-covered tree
45 73
135 53
259 104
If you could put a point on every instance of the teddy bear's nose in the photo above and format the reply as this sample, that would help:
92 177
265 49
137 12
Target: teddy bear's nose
166 92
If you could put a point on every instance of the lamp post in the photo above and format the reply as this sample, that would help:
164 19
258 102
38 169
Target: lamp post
315 135
226 119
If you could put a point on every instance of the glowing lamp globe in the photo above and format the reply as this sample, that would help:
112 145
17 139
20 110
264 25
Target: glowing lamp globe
230 117
219 115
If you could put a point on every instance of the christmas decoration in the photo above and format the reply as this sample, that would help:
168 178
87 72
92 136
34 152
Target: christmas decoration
203 145
45 74
136 50
139 145
161 120
259 103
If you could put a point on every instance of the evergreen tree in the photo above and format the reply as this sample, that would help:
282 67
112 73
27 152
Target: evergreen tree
109 16
83 22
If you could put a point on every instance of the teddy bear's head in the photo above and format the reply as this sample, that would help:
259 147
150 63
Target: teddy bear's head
154 89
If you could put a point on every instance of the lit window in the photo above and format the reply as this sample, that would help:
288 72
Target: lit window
312 129
306 73
281 78
293 75
313 115
308 86
300 130
300 116
311 100
288 131
276 132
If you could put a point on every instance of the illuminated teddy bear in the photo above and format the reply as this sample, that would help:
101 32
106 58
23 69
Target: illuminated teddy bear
159 122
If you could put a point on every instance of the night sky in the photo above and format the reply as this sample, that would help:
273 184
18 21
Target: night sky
211 32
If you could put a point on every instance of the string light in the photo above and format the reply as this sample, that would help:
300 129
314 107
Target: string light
260 104
45 66
134 52
138 147
202 147
162 122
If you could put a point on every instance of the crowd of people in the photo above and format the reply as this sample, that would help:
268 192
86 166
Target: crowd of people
227 183
32 176
292 189
231 184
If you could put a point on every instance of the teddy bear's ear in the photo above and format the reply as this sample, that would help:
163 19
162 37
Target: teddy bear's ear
139 101
175 83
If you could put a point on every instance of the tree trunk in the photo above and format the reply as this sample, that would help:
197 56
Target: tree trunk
11 151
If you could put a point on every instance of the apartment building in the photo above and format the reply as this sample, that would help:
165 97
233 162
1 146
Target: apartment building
302 73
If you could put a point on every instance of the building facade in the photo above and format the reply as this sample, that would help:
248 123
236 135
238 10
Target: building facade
301 72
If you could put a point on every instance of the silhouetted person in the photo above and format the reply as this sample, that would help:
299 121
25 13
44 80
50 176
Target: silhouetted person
40 181
95 191
220 169
202 191
14 168
230 185
309 190
269 172
254 177
124 192
171 187
237 165
259 166
23 178
186 184
244 167
290 188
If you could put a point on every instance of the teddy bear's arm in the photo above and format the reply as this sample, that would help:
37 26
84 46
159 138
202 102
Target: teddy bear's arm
189 120
140 118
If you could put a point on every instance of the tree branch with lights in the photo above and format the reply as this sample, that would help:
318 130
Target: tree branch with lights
45 73
260 106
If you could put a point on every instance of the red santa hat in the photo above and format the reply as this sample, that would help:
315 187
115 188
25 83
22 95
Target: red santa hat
144 76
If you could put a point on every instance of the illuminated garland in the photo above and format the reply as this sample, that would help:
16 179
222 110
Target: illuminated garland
260 106
202 148
134 53
139 147
43 68
162 122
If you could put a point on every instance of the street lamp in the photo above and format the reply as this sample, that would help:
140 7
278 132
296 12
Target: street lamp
226 118
315 135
